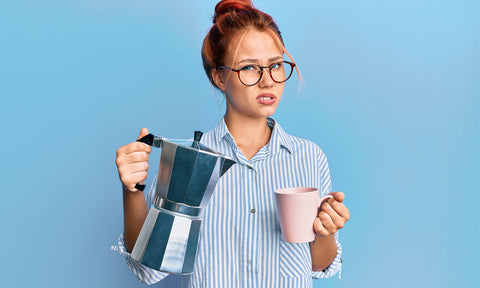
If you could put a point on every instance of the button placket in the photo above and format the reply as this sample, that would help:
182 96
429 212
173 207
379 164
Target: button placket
250 248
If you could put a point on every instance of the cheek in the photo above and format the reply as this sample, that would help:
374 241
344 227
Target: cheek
239 98
237 92
280 90
234 86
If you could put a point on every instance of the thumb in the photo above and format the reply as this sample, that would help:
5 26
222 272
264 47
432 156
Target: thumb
143 133
339 196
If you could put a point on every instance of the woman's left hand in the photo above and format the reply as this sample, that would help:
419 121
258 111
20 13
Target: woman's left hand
333 216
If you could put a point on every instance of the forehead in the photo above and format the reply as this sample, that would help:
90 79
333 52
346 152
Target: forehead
253 44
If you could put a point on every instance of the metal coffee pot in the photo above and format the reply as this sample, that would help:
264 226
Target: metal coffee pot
186 180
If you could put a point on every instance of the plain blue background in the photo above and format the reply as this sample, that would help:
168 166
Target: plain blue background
391 94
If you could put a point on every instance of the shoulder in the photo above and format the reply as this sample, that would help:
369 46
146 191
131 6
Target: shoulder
209 139
304 146
208 135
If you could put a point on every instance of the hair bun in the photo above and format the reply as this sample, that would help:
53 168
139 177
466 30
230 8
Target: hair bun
227 6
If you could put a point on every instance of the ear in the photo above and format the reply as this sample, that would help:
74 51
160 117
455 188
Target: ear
218 78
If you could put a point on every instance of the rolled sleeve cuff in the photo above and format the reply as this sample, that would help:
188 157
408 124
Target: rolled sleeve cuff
334 268
145 274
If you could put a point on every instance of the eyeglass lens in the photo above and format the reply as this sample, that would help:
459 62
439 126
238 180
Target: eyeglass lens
280 72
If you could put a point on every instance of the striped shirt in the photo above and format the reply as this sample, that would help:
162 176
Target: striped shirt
240 241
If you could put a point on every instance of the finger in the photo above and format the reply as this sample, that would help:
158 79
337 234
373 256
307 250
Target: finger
319 229
137 167
340 209
136 157
131 180
339 196
327 222
128 169
134 147
143 133
338 221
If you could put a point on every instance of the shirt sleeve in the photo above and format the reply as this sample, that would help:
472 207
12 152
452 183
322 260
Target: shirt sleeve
326 188
145 274
335 267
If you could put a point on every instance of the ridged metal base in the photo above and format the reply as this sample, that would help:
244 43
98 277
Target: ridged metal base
168 241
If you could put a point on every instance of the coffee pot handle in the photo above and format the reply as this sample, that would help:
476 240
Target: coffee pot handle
151 140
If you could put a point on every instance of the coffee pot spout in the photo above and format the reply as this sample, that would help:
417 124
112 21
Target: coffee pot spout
227 163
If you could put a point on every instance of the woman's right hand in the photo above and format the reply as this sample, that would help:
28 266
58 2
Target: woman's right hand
132 163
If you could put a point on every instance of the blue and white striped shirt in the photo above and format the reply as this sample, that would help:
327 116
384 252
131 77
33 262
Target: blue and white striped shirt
240 242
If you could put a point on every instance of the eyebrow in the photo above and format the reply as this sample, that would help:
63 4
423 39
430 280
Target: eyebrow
251 60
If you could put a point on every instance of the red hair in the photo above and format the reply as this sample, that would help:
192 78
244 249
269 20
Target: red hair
232 17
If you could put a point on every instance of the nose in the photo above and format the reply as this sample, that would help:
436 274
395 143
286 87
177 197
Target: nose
266 80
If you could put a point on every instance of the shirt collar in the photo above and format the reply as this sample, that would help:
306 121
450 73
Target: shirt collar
279 137
221 132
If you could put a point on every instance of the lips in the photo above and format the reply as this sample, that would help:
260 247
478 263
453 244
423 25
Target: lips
266 99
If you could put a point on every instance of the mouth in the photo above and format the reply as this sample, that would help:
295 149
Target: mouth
266 99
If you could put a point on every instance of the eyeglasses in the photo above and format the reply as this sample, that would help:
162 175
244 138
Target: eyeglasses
252 74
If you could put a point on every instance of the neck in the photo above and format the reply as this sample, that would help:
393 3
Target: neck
250 134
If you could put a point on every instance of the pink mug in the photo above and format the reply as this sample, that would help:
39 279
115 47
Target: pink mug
297 208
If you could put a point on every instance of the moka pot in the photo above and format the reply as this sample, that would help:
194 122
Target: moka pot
186 180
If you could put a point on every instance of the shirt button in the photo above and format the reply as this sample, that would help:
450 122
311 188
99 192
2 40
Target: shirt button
252 211
249 262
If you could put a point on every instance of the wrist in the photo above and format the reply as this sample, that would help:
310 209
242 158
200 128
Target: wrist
130 192
320 240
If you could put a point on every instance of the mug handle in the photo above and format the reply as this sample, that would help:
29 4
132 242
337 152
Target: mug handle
323 199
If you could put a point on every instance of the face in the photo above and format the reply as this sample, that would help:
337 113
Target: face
262 99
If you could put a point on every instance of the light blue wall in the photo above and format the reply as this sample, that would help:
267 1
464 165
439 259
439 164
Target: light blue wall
391 94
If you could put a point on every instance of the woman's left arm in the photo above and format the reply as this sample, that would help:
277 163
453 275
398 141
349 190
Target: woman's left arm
331 218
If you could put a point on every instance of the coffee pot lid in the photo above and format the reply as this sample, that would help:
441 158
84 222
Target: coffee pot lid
157 141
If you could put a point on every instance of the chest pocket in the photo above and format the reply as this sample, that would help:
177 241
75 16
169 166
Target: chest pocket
295 260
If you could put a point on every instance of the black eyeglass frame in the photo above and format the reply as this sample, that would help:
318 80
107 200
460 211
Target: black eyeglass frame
292 65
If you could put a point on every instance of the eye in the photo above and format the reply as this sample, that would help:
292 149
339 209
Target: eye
249 68
276 66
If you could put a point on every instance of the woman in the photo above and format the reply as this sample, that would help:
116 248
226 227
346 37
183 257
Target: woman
240 242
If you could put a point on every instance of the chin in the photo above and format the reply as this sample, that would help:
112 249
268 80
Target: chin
268 114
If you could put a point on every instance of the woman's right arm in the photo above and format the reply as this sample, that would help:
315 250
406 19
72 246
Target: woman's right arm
132 164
